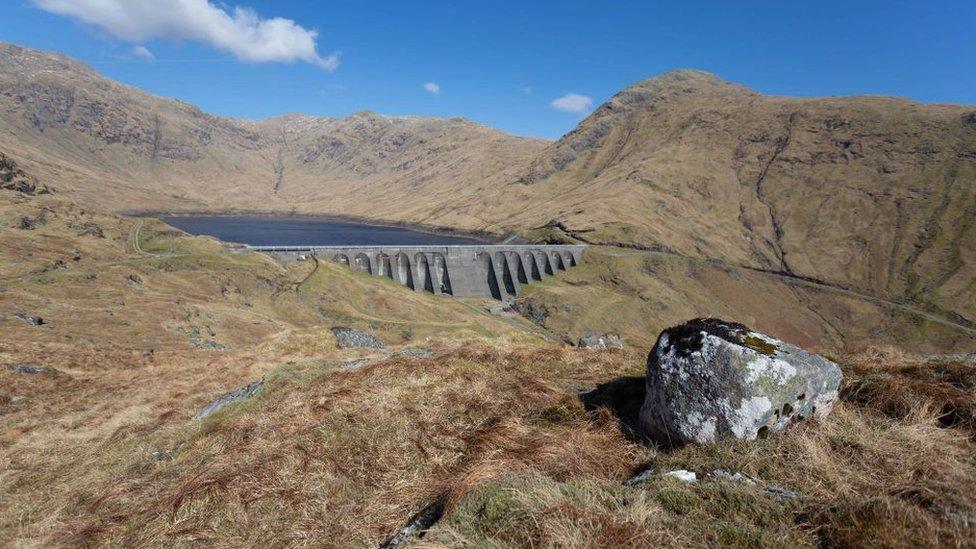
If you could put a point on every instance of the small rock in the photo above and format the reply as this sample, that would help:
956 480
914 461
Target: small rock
354 364
709 380
348 338
737 477
774 489
415 352
34 369
683 475
30 319
780 492
209 345
640 477
243 393
533 310
604 341
88 228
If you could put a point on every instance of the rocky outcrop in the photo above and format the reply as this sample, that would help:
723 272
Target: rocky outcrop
243 393
600 341
34 369
12 178
30 319
348 338
710 380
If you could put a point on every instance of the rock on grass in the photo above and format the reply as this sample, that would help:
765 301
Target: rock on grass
243 393
709 380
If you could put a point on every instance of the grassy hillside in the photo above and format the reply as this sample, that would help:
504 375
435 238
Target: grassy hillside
869 194
637 294
142 326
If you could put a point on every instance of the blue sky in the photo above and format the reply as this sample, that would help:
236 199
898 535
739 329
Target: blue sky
502 63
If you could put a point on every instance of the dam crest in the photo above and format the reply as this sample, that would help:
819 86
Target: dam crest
497 271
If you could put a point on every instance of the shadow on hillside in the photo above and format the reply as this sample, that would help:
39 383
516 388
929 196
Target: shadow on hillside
623 398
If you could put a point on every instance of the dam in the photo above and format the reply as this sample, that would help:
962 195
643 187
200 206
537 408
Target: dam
492 270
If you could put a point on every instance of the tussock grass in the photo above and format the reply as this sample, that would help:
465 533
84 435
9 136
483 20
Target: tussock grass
326 456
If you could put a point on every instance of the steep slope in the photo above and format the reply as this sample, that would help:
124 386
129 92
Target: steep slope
874 194
113 145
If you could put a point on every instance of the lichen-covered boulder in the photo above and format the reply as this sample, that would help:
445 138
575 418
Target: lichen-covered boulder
709 380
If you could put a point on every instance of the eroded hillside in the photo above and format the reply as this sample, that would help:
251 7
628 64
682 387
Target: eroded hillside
869 193
112 145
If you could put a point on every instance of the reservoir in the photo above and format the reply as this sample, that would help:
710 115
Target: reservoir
291 231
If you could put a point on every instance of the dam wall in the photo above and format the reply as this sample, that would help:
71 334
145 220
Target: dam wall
497 271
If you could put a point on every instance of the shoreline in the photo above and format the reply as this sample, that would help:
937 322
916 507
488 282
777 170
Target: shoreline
485 237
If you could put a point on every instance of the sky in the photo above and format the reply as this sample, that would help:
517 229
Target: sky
530 68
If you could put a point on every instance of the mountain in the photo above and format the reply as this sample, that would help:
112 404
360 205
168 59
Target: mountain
109 144
873 195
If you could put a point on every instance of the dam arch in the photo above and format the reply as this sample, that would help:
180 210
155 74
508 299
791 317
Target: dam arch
403 274
383 267
423 280
499 271
362 263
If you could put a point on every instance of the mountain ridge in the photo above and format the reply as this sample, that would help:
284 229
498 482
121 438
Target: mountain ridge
868 193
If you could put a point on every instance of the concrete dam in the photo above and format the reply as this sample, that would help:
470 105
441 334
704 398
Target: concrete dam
497 271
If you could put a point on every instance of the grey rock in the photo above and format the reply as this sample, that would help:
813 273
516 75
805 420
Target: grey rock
355 364
532 310
710 380
30 319
602 341
348 338
209 345
34 369
683 475
418 524
644 475
737 477
243 393
415 352
773 489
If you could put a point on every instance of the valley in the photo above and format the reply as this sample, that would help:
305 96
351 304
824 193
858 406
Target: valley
841 225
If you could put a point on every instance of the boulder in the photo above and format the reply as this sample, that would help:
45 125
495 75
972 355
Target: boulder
603 341
710 380
242 393
347 338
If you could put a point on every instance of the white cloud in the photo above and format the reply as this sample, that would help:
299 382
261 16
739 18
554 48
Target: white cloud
433 87
573 102
143 53
239 31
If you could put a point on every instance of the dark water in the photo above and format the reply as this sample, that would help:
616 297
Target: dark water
280 231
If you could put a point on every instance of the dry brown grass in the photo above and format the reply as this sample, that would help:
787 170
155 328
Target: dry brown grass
865 479
107 454
344 457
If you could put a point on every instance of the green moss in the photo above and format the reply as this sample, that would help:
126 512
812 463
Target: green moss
760 344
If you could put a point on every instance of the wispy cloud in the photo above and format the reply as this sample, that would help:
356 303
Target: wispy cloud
572 102
527 90
240 31
141 52
433 87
